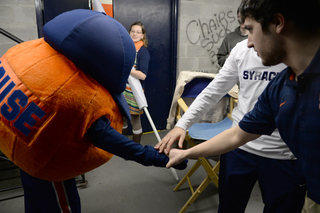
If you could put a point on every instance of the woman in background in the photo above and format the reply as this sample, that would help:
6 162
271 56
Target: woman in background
139 71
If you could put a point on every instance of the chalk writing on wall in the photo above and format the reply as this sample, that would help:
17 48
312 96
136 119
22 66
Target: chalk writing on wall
210 33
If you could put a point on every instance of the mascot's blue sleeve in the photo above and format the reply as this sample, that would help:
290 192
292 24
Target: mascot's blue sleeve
105 137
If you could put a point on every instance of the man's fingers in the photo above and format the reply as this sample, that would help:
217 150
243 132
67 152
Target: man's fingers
181 140
157 145
161 145
168 147
169 164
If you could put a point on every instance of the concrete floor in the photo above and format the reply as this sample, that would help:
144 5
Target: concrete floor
121 186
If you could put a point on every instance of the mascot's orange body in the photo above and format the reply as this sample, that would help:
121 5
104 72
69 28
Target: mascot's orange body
47 105
62 108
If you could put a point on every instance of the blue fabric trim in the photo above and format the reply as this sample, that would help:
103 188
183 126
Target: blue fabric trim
122 103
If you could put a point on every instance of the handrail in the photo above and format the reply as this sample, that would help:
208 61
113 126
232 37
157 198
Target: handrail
39 16
9 35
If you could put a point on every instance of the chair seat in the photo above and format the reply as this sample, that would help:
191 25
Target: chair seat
205 131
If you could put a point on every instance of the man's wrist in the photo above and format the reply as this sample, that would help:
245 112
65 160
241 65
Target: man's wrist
186 154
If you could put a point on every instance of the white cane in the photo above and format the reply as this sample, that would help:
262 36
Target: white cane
142 103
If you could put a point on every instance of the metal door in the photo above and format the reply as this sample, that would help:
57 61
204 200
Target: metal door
160 19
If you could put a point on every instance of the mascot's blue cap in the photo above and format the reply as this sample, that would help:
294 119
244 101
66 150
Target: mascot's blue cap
98 44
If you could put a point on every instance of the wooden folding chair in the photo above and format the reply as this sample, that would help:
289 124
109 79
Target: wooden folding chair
201 132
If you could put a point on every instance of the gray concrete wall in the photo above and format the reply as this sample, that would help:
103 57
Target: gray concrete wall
18 17
202 26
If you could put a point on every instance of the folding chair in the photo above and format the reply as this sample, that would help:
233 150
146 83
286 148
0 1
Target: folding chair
201 132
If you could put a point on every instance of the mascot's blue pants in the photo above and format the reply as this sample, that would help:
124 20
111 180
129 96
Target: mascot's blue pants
50 197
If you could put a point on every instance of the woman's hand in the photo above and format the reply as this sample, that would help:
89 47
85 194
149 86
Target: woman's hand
138 74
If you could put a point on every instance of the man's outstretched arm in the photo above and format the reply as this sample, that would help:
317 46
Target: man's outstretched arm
222 143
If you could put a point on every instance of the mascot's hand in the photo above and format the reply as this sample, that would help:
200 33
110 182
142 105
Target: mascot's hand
153 157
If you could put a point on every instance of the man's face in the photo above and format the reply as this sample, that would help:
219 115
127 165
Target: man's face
268 45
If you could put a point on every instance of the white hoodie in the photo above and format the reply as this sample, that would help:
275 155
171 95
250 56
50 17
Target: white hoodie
245 66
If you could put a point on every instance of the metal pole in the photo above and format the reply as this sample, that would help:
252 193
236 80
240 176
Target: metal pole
174 172
39 17
9 35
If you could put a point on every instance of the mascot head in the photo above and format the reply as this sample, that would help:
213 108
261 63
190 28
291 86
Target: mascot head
98 44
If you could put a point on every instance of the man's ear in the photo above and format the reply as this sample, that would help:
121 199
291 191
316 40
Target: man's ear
279 22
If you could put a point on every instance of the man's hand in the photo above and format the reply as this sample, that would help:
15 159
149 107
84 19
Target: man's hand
165 144
176 156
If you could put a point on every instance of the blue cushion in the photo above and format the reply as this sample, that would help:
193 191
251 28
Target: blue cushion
205 131
195 87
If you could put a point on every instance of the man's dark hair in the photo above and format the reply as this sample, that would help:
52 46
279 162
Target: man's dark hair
304 13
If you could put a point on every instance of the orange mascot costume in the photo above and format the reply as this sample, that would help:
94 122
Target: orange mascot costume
62 107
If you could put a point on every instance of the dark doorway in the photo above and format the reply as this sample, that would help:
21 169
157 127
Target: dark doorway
48 9
160 19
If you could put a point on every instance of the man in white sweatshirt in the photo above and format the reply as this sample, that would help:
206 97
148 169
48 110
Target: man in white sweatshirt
267 159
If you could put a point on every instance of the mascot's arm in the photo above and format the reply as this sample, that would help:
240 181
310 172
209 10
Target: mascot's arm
105 137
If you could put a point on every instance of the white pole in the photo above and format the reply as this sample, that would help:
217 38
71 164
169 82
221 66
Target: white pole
97 6
174 172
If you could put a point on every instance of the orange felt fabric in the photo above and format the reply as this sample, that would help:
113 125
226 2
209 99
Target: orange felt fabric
56 148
